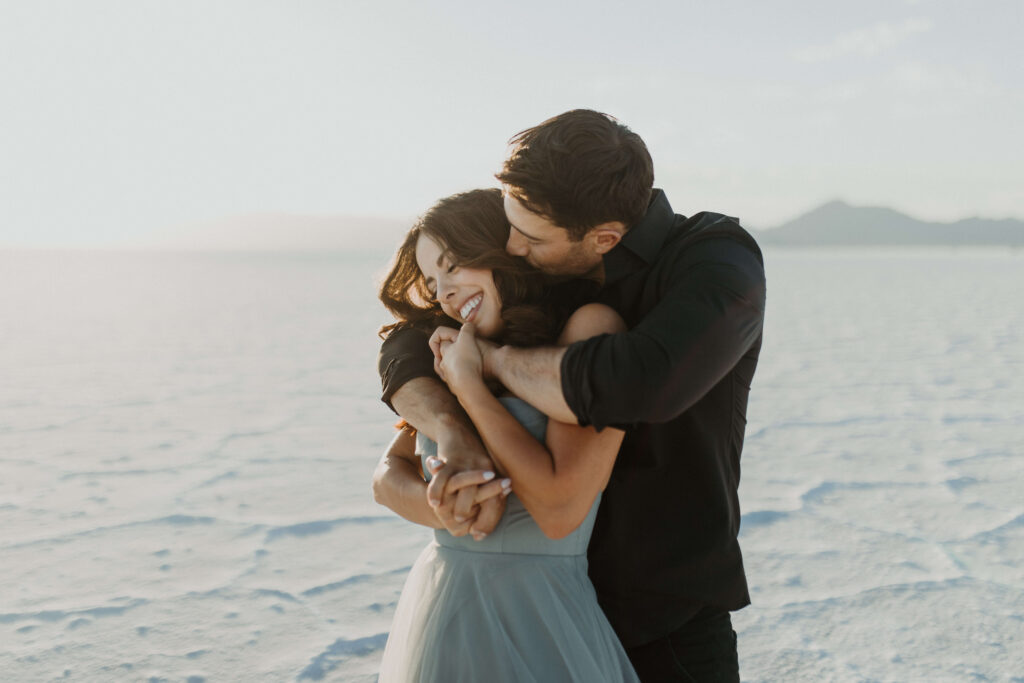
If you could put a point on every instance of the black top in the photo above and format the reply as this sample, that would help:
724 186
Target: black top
692 293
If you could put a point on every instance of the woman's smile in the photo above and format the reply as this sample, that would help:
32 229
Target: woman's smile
470 307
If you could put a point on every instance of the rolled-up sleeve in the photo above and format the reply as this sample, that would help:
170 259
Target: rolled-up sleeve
709 313
404 355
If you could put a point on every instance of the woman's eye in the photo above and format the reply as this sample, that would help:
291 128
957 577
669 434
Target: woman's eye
452 268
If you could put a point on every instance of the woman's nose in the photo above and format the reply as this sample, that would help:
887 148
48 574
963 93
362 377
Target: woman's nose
445 288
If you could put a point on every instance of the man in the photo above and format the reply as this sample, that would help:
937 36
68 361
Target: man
664 556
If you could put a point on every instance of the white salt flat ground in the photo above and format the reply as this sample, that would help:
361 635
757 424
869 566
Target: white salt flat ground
186 443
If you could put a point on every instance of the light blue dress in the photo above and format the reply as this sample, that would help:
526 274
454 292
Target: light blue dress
515 607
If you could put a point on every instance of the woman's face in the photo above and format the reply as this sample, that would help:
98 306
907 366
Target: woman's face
465 294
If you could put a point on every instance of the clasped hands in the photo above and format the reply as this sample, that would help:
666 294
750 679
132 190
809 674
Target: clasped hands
464 491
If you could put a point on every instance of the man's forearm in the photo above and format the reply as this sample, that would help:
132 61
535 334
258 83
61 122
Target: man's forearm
429 406
398 486
534 375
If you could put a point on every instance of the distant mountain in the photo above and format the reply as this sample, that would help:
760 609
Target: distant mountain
281 232
839 224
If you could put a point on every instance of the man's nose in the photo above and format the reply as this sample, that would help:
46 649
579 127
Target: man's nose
517 245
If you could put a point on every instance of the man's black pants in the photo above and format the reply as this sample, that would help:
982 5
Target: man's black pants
703 649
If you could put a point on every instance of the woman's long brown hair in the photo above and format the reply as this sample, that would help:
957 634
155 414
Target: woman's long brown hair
472 228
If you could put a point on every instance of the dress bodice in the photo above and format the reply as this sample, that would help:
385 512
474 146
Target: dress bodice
517 532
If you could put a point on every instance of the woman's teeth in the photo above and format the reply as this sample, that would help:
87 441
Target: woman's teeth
470 306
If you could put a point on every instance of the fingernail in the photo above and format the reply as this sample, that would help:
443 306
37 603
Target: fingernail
478 536
506 483
505 492
459 519
488 476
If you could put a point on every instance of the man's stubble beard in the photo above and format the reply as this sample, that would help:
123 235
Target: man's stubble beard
576 264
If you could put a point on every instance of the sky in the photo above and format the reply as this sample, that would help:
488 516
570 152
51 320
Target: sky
123 119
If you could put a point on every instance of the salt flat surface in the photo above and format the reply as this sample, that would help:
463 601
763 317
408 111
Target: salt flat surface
186 443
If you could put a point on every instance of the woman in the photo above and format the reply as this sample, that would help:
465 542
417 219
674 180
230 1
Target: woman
516 605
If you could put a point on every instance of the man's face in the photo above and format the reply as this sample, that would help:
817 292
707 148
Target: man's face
546 246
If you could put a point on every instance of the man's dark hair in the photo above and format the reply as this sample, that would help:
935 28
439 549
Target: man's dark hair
580 169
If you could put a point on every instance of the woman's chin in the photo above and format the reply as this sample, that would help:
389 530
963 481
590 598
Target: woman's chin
488 330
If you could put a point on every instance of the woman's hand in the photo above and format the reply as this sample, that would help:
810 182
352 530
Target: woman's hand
487 485
442 338
457 360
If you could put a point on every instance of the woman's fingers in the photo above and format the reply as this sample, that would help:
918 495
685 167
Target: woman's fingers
439 358
496 487
469 478
487 486
442 334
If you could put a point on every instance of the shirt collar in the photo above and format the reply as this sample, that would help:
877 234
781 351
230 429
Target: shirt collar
642 242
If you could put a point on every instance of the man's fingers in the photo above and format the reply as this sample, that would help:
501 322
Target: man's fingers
458 528
445 513
491 511
436 486
464 504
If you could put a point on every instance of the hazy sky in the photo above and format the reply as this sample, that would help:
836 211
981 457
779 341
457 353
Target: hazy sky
122 118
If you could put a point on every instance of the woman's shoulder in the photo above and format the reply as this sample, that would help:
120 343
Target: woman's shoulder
591 320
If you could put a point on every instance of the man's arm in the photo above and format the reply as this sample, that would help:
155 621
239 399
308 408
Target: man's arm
398 482
534 374
710 315
412 389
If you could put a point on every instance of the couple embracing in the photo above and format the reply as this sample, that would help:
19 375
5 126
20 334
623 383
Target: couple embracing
572 362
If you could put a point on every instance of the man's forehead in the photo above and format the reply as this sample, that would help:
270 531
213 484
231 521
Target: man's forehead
531 225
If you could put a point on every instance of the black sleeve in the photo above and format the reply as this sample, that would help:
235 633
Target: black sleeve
710 313
403 356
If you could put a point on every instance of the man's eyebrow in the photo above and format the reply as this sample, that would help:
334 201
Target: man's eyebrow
526 235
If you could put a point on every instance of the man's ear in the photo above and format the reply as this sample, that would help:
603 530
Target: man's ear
604 237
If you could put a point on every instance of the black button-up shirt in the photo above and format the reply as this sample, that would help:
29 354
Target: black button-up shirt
692 293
